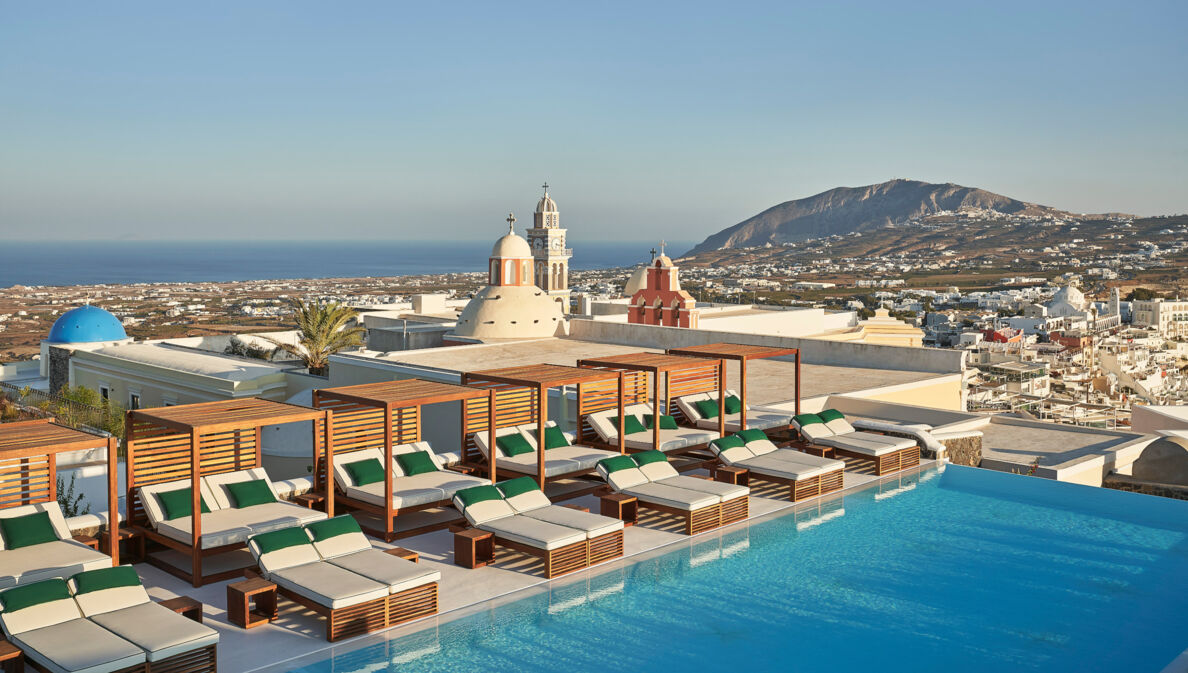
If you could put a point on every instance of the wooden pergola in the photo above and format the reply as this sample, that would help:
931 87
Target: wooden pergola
741 353
194 440
522 394
684 375
29 467
383 415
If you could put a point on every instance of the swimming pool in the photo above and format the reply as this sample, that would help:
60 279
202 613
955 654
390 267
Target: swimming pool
968 570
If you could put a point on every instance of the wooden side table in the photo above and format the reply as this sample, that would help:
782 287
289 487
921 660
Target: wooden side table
92 542
311 500
241 595
184 606
406 554
462 469
12 660
132 540
620 506
577 507
739 476
473 548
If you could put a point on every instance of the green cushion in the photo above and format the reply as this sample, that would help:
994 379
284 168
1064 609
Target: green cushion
728 442
645 457
249 493
518 486
513 444
106 578
179 503
328 528
806 419
631 425
280 539
707 408
19 598
830 415
365 472
666 422
416 462
554 438
733 404
752 435
28 530
617 463
470 496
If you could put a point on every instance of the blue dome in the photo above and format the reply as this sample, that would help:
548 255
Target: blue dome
86 324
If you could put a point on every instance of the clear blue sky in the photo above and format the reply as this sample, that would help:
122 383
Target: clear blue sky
665 120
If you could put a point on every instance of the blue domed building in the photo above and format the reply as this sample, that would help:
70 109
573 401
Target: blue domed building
86 324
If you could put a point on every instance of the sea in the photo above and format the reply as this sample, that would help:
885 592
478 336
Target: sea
95 263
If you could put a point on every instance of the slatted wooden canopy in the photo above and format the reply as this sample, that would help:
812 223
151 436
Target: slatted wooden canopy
29 466
382 415
741 353
520 396
684 375
190 441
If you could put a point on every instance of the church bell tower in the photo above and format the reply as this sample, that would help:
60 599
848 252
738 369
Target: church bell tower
550 256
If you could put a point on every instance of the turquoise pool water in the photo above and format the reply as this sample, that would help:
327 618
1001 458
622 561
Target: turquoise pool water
962 571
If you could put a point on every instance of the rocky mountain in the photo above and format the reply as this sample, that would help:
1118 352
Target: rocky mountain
848 209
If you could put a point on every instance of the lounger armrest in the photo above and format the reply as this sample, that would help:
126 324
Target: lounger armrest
578 508
462 469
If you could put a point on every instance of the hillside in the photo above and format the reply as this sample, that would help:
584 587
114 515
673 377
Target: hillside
844 210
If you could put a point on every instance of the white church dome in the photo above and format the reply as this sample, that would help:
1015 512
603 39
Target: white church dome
509 312
637 281
546 204
511 245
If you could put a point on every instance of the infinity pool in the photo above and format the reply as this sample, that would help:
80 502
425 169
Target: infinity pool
968 570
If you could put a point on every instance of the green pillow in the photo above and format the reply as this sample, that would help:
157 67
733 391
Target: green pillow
831 415
617 463
365 472
416 462
280 539
631 425
28 530
328 528
728 442
518 486
645 457
666 422
106 578
733 404
474 494
554 438
754 434
19 598
513 444
806 419
707 408
250 493
179 503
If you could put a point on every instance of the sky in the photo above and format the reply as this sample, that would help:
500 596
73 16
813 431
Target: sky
431 121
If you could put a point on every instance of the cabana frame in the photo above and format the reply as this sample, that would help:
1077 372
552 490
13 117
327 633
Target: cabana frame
741 353
29 467
383 415
684 375
593 392
196 440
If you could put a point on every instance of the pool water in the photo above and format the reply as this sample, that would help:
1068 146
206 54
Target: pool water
967 570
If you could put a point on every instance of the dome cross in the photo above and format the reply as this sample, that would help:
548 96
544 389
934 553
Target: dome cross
511 223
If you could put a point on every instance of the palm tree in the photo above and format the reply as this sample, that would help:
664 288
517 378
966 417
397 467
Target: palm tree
323 331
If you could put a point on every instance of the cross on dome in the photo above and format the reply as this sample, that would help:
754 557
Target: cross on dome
511 223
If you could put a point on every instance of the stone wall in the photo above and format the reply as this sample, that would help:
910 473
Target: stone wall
59 368
964 450
1122 482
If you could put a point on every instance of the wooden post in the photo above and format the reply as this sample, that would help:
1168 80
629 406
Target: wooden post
581 418
742 393
542 417
195 510
656 410
113 509
389 525
622 439
328 463
797 381
259 449
463 450
721 398
491 449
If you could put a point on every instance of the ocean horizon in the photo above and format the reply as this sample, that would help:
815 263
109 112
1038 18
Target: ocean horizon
121 263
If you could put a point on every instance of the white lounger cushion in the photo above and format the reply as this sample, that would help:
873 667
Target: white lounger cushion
840 426
40 616
790 468
397 573
106 600
346 543
755 419
327 584
55 516
723 490
342 477
219 528
157 630
670 440
672 496
526 463
609 432
528 501
623 479
594 525
865 445
815 432
480 440
419 489
152 504
216 484
532 532
62 558
79 646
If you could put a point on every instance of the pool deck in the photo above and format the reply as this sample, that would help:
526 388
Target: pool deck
299 633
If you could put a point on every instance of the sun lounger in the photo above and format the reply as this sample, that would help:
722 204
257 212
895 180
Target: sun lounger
702 508
702 411
806 475
352 603
516 451
831 430
604 533
36 544
638 433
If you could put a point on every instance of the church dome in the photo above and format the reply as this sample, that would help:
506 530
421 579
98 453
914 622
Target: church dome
86 324
546 204
1070 296
511 245
509 312
637 281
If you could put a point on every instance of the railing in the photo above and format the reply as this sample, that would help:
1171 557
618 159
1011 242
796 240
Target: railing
66 411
